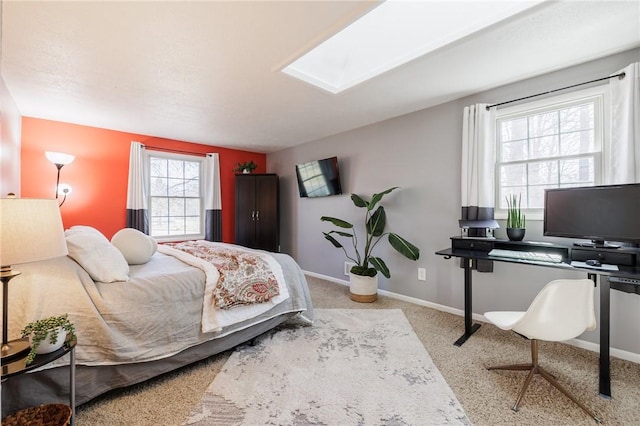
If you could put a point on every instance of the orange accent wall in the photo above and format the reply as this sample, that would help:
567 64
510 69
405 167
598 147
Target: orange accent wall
98 175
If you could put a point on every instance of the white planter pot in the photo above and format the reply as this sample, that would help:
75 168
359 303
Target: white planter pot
363 289
46 346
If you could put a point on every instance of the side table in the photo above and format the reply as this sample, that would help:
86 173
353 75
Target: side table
19 366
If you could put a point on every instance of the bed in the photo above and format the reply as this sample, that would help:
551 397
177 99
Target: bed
166 315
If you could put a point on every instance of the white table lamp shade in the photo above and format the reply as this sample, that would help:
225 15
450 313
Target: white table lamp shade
30 230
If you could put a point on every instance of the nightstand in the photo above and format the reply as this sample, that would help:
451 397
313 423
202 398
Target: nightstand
18 366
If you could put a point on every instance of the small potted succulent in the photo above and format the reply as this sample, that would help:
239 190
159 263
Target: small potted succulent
516 221
47 335
246 167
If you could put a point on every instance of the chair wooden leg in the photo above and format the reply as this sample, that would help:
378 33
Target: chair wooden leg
514 367
532 373
534 369
558 386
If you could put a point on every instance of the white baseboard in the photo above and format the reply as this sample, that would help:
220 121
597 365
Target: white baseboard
594 347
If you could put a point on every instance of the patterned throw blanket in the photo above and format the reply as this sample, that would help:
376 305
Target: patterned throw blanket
245 277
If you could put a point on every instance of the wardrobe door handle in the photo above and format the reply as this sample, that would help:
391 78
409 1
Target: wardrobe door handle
258 215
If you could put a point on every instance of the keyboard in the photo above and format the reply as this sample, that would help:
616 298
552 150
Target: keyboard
534 256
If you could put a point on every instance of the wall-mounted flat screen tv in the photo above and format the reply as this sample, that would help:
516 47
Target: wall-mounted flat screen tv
597 213
319 178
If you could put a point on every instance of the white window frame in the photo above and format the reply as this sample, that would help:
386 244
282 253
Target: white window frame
601 132
180 157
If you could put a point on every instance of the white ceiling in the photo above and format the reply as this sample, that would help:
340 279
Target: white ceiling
209 72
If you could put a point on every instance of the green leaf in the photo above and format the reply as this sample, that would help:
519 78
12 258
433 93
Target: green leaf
342 234
404 247
333 241
380 266
359 201
375 199
377 222
337 222
363 272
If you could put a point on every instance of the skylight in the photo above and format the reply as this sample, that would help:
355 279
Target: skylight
393 34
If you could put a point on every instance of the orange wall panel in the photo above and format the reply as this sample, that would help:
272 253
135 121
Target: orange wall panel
99 173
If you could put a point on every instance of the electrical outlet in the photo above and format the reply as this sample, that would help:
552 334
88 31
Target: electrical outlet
422 274
347 267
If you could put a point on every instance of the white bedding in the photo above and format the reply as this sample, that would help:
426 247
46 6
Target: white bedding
154 315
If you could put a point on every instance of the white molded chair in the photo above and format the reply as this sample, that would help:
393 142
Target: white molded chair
563 310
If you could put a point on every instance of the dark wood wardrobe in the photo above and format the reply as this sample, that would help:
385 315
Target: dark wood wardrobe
257 215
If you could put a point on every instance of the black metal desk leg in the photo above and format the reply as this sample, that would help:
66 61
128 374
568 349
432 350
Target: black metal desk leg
469 327
605 373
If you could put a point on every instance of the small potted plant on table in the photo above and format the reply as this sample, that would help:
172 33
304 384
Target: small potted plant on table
47 335
516 221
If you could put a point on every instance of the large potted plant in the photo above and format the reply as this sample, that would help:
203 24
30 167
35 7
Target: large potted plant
363 275
516 221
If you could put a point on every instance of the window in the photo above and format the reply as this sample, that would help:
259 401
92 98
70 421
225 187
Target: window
552 143
392 34
175 196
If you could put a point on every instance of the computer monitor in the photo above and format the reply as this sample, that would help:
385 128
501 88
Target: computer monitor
598 213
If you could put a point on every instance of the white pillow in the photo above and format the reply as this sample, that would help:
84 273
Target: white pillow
137 247
96 254
154 243
87 229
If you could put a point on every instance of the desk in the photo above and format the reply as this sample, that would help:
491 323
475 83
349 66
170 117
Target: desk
469 255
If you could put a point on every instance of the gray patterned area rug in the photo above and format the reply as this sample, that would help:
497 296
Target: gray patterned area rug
352 367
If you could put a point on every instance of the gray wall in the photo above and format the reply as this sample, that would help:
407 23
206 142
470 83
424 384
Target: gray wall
420 152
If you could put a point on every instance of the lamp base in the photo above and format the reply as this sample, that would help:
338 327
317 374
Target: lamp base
15 349
10 348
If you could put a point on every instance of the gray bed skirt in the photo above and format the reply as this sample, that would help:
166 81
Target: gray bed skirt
52 385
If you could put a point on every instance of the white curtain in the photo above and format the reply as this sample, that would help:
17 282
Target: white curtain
622 151
478 162
212 198
137 208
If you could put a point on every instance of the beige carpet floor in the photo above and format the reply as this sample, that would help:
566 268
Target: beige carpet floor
486 396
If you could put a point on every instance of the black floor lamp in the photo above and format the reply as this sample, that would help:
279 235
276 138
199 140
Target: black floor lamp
60 159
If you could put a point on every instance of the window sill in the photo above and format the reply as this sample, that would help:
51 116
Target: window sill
179 238
528 216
